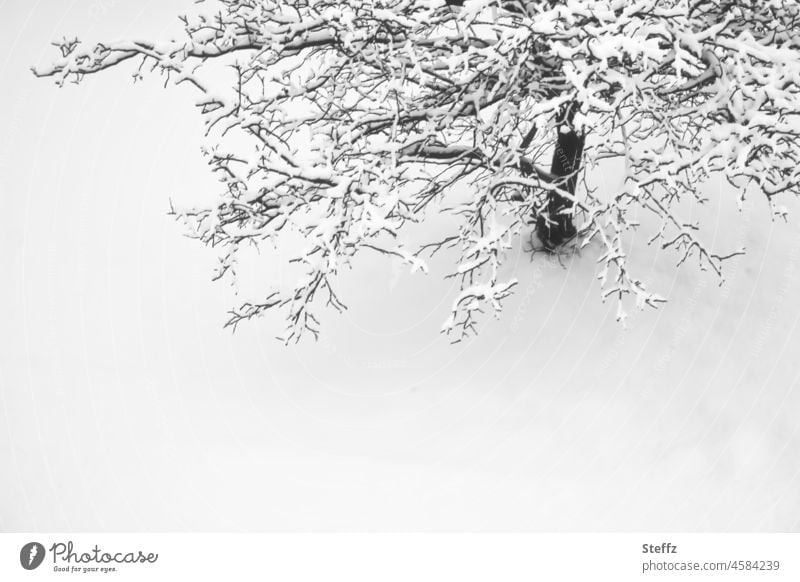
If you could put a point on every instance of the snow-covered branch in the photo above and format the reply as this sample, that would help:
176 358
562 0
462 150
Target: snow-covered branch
343 122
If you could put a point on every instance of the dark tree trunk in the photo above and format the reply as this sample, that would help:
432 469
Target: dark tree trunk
553 226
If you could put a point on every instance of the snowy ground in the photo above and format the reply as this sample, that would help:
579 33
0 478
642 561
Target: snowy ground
125 406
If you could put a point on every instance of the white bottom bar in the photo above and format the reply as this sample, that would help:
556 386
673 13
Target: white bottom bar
401 557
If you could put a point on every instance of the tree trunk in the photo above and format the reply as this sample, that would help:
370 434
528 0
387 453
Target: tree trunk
553 226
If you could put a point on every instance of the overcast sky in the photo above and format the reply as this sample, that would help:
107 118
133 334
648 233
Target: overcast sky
126 406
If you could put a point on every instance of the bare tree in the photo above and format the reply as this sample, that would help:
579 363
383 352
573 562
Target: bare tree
364 116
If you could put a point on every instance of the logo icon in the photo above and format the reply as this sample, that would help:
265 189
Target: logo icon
31 555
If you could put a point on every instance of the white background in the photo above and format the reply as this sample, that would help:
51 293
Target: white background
124 405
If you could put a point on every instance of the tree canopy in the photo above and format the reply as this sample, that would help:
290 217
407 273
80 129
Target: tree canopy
345 121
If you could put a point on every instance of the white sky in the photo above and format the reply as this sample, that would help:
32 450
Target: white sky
125 406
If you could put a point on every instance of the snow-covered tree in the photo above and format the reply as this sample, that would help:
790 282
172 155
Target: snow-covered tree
361 117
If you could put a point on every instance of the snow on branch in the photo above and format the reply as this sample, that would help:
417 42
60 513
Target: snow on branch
362 117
